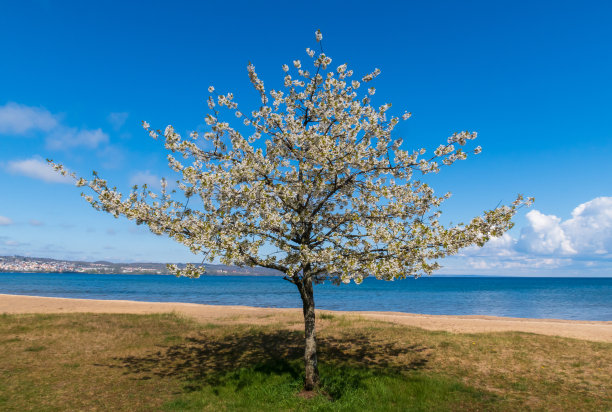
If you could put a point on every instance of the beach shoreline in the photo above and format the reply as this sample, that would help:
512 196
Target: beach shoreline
600 331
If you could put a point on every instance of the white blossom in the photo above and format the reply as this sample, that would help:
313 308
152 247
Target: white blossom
313 183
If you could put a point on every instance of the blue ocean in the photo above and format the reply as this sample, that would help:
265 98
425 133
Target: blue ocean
556 298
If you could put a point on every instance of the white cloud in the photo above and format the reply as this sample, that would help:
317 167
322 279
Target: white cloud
17 119
587 233
147 178
577 245
5 221
35 222
544 235
590 228
70 137
497 246
37 168
117 119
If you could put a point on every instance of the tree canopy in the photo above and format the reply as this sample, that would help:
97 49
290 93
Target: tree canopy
319 181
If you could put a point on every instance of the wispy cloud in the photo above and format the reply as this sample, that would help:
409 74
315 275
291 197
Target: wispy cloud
117 120
20 120
146 177
5 221
111 156
37 168
17 119
70 137
35 222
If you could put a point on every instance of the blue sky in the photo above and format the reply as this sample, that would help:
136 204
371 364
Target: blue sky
532 78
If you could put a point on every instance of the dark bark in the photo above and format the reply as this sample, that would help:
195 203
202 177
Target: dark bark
311 380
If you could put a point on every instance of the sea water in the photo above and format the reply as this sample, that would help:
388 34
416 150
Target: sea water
526 297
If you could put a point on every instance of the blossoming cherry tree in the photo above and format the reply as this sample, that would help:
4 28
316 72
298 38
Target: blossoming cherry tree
313 183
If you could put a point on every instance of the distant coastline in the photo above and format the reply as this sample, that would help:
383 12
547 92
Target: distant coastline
25 264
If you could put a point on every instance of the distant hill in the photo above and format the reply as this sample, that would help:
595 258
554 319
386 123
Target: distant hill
26 264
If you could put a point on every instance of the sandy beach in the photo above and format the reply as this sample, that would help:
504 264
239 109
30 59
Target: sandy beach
588 330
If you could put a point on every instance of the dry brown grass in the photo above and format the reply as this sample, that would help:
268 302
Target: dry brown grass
140 362
528 371
56 362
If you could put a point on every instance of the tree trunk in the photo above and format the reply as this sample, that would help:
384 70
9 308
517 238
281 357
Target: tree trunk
311 380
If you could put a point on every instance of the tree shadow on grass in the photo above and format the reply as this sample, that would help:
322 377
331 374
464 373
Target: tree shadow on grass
207 359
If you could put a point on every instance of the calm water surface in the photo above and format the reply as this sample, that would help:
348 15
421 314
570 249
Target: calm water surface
560 298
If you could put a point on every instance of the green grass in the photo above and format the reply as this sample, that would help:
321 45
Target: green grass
274 385
168 362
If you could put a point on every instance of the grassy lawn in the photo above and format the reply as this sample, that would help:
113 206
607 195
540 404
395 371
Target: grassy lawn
168 362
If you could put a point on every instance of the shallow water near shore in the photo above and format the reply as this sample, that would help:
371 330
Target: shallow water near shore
545 298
